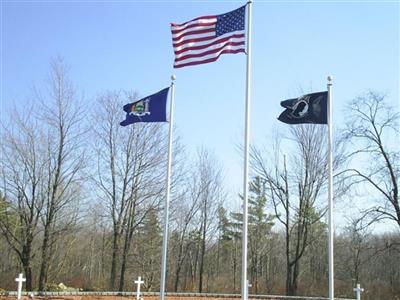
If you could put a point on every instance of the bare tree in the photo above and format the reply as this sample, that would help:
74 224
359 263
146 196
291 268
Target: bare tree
373 131
40 171
130 174
22 175
183 219
355 248
62 115
195 220
295 189
208 188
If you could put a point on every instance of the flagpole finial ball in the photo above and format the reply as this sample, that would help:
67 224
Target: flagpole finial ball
330 78
173 77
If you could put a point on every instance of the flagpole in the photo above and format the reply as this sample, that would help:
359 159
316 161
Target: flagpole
245 284
168 187
330 192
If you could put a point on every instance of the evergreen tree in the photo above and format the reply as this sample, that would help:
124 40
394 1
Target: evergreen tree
149 245
259 230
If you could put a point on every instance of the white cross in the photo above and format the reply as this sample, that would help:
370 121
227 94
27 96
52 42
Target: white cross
138 282
20 280
358 291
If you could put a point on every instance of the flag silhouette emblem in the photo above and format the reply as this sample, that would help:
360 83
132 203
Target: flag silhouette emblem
310 108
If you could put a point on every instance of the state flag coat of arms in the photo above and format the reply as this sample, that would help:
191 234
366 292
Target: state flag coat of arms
149 109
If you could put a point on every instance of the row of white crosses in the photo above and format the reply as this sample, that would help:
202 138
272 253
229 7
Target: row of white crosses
139 282
21 279
358 289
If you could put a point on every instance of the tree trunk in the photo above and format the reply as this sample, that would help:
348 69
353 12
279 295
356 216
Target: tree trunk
26 263
289 287
128 239
289 290
234 267
292 278
45 259
179 266
176 282
201 267
123 268
114 261
203 248
180 260
295 277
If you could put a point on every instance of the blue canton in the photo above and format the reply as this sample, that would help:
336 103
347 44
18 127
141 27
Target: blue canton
231 21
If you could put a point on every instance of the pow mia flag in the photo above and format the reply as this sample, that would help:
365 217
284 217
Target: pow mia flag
310 108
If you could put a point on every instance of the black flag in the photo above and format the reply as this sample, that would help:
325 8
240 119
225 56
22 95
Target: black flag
310 108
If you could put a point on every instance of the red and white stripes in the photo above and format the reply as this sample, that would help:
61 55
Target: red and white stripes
195 42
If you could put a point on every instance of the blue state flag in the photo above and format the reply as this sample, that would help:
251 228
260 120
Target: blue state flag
152 108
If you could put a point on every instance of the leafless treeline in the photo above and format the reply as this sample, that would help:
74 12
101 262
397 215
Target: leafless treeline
81 200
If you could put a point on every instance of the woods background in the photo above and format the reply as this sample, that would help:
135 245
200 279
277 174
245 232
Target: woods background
81 200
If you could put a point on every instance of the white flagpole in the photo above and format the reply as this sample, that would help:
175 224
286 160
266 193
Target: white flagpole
245 284
168 187
330 192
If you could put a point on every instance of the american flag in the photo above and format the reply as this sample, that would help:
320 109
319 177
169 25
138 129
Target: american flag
204 39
